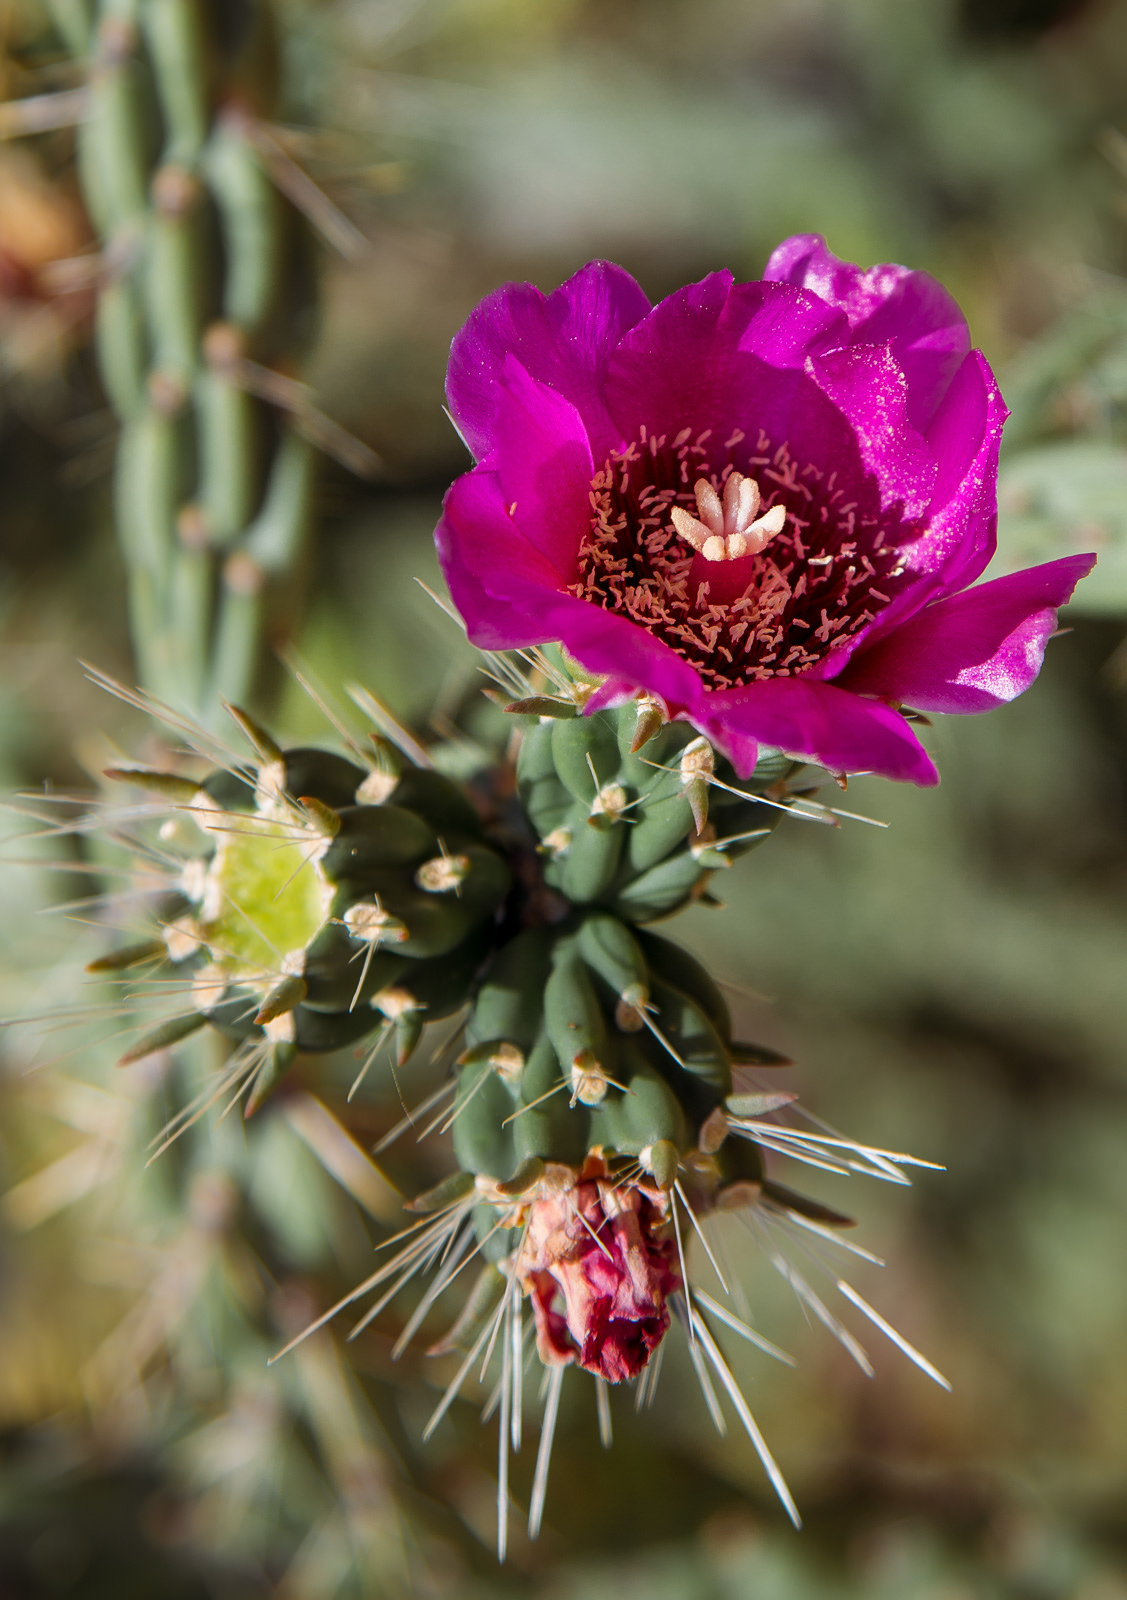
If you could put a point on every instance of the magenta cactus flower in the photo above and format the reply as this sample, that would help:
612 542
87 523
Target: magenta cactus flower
763 504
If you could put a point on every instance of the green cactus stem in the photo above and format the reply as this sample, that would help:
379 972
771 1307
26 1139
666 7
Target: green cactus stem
311 908
204 272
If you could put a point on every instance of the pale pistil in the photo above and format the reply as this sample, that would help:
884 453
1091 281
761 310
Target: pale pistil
726 529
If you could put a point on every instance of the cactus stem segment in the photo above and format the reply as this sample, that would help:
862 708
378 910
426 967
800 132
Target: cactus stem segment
600 1100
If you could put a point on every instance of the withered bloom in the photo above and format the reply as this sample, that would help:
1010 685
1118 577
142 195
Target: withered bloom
599 1265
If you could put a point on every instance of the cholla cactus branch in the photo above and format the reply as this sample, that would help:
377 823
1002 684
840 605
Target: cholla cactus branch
213 485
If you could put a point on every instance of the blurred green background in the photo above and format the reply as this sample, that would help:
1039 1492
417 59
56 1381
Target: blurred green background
954 985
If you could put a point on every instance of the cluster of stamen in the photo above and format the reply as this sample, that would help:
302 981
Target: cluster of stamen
749 563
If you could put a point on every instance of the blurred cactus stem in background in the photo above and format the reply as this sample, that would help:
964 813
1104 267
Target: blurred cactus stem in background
203 280
264 879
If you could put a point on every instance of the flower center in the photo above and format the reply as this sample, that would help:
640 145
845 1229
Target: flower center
725 530
748 562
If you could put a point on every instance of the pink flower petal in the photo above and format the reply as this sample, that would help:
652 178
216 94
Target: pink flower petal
718 356
868 387
817 722
971 651
495 576
563 339
604 642
543 462
910 310
959 532
964 436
